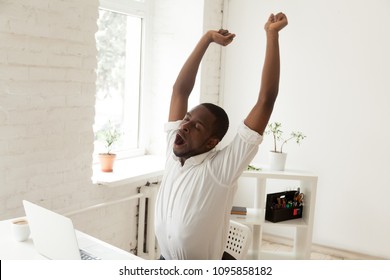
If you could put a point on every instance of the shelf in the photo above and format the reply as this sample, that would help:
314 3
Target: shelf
286 175
135 171
289 223
255 217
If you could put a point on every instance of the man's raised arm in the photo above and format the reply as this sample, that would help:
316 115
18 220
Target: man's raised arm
187 75
259 116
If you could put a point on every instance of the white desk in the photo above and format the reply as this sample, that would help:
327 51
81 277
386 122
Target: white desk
10 249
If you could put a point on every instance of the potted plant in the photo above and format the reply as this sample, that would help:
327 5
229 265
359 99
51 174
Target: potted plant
109 134
277 157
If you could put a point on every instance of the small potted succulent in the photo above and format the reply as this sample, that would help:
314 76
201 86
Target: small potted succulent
109 134
276 156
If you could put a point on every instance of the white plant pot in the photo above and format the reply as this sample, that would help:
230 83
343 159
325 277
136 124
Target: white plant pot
277 161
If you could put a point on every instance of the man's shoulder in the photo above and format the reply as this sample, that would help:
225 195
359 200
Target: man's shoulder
249 135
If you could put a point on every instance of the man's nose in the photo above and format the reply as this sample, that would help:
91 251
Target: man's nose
186 126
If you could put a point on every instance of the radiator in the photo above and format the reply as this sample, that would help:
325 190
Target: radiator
147 247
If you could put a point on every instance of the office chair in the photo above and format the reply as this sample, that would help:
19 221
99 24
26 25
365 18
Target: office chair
238 241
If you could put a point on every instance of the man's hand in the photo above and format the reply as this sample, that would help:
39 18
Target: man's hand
222 37
276 22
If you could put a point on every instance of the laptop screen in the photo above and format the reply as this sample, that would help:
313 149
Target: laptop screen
53 234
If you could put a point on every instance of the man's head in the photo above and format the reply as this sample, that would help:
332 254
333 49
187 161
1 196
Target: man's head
201 130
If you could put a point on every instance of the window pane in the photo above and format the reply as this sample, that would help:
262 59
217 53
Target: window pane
118 75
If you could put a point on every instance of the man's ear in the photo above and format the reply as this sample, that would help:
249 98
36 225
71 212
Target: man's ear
212 142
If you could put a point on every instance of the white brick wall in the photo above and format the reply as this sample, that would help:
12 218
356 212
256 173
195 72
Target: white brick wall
45 89
47 97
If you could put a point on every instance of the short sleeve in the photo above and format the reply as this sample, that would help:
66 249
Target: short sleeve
248 135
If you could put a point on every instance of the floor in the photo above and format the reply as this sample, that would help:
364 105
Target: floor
275 244
278 247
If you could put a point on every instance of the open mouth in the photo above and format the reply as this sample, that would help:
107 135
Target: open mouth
179 140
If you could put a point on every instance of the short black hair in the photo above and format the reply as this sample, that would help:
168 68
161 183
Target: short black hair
221 124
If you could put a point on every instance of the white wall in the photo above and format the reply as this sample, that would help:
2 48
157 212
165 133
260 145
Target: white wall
177 27
174 35
335 88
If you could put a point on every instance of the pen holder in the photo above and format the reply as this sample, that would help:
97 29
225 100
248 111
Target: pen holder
284 206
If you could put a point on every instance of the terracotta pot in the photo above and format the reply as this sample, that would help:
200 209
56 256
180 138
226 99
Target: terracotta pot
107 162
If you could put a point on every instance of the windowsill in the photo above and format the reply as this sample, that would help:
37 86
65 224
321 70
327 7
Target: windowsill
135 171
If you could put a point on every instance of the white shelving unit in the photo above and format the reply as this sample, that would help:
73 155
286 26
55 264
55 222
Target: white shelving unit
276 181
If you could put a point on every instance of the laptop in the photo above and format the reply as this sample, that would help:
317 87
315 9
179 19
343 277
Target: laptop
53 234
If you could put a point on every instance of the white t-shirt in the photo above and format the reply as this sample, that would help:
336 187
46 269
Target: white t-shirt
194 200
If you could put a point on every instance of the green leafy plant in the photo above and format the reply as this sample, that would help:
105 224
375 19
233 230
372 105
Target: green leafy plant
252 168
275 129
109 134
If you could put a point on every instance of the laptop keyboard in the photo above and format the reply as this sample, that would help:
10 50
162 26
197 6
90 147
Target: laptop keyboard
86 256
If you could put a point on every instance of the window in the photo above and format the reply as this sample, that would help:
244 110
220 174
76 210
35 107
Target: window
119 44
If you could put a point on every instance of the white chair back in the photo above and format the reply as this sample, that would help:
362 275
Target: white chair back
238 240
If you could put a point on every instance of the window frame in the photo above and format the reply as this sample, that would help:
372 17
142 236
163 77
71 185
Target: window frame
138 9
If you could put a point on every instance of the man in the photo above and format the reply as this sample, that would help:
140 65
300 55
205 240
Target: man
199 183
